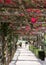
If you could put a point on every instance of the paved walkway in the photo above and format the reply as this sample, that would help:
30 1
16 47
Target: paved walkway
25 57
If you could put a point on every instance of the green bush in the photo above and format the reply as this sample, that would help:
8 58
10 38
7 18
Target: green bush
34 50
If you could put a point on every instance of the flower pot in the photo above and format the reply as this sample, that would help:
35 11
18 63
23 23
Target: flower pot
41 55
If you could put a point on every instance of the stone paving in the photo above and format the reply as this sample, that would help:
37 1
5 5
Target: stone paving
25 57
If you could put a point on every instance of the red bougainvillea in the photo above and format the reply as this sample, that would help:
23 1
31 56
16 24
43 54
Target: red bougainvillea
1 1
8 1
22 14
33 20
38 11
29 10
27 28
13 3
33 10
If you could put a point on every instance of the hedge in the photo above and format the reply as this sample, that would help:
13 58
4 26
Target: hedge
34 50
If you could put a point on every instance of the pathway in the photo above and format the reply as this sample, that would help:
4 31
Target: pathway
25 57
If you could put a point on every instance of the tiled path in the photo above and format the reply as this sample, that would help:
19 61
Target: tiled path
24 57
27 58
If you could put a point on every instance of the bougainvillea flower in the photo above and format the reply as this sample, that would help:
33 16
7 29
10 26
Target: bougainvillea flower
38 11
33 20
13 3
8 1
22 14
45 3
27 28
29 10
1 1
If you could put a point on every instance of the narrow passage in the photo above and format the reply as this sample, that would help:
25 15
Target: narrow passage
24 57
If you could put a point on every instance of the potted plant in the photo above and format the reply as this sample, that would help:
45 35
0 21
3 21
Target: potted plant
41 54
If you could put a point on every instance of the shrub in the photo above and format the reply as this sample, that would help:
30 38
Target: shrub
34 50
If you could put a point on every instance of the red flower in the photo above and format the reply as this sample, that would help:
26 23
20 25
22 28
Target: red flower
27 28
45 3
8 1
21 14
33 20
14 3
29 10
38 11
1 1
